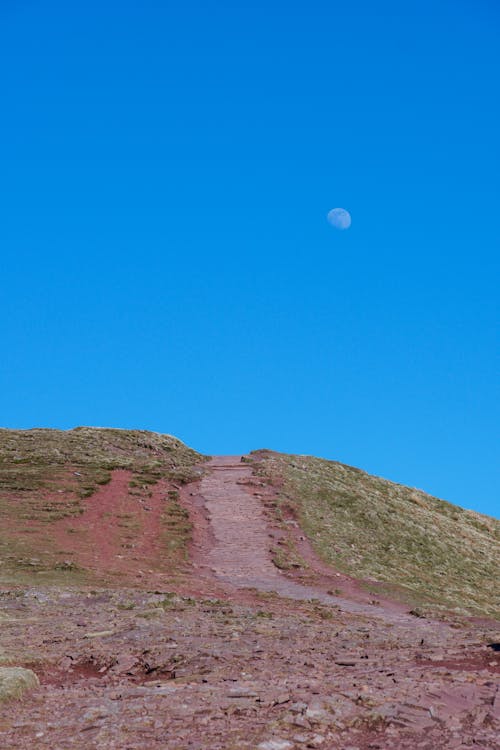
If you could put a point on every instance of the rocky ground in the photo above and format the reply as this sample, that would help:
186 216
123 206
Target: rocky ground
239 653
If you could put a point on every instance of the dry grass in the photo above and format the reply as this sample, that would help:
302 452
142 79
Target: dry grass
176 530
15 681
440 554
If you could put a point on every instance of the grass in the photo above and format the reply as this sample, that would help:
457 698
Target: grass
33 461
15 681
429 551
176 530
285 556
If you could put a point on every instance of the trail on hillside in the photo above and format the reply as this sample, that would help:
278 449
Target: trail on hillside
239 551
174 654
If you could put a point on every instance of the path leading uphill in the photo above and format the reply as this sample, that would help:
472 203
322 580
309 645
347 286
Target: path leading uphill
424 694
220 667
239 553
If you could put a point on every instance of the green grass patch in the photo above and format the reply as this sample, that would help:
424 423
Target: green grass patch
426 549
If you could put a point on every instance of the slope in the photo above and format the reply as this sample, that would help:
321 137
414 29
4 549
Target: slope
424 549
91 504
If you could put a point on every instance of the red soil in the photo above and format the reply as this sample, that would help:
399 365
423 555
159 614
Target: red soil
119 534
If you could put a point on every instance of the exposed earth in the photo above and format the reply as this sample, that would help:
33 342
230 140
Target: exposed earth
249 640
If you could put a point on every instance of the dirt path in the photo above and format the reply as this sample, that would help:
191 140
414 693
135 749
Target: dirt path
239 553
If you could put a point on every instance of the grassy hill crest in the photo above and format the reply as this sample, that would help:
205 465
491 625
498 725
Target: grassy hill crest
433 551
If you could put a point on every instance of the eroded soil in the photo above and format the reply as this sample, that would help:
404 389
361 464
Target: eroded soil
232 651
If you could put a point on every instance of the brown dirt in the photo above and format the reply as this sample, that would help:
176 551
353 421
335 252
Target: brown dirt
244 655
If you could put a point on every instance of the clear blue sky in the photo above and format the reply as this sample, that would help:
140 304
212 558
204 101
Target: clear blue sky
166 263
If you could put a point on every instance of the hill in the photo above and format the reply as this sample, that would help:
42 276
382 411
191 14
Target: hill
417 547
153 597
69 496
423 549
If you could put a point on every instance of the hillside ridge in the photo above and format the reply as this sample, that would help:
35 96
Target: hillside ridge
402 542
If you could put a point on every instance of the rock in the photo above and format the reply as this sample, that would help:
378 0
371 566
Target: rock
275 745
496 705
95 713
282 698
316 713
416 612
436 657
345 663
300 721
14 681
316 741
242 692
125 663
66 663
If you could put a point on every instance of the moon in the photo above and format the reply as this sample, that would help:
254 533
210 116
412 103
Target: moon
339 218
